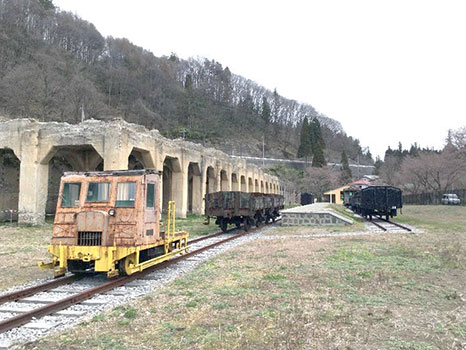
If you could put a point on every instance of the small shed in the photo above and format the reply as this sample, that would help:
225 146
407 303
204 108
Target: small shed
335 196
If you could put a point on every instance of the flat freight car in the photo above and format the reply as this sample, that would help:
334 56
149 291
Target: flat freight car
377 201
242 208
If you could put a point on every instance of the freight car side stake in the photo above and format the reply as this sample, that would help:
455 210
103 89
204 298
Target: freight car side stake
48 309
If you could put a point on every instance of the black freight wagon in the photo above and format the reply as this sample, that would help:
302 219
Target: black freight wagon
307 198
234 207
377 200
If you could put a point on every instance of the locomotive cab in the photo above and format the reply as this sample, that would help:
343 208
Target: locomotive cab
109 221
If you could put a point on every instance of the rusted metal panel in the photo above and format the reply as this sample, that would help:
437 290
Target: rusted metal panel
130 223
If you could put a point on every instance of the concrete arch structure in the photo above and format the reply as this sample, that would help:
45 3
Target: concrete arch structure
191 169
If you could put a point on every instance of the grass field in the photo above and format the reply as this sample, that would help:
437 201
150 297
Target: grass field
392 291
21 247
20 250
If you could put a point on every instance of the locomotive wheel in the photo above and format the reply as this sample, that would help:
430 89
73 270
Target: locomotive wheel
238 224
125 264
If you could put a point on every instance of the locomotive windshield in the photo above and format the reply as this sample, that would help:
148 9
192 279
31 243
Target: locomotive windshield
70 196
98 192
126 193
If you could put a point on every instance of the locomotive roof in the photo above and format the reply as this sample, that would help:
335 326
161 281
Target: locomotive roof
114 172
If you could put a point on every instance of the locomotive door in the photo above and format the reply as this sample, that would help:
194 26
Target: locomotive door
150 207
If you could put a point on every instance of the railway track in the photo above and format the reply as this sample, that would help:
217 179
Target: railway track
387 225
53 297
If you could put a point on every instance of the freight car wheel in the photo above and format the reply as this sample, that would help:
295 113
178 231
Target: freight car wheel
224 225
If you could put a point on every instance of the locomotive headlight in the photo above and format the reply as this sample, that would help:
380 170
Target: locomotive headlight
111 212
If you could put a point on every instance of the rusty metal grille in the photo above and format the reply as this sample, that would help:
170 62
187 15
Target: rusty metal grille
89 238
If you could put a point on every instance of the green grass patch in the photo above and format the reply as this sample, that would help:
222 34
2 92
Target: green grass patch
130 313
274 277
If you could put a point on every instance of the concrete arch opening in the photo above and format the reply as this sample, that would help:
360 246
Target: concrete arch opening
224 184
262 186
210 185
9 184
243 184
194 189
266 187
234 182
140 159
256 185
172 182
250 185
67 158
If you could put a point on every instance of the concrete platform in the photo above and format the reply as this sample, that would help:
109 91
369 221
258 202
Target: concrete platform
317 214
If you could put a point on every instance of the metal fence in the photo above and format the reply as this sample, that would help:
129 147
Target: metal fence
432 197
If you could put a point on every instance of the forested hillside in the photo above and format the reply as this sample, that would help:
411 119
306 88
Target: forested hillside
52 63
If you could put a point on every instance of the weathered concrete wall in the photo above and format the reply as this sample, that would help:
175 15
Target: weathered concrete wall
118 145
311 219
317 214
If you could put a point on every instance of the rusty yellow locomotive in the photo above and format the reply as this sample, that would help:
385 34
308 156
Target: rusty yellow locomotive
109 221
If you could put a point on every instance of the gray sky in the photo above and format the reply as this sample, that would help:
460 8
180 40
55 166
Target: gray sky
389 71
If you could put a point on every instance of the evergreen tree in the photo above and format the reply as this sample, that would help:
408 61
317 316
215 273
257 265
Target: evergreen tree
377 165
345 174
317 144
265 114
305 147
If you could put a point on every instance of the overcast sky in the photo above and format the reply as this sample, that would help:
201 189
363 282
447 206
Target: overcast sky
388 70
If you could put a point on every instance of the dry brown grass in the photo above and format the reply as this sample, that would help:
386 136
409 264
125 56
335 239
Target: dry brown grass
366 292
20 250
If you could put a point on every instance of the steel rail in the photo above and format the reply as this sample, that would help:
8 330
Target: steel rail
37 289
48 309
377 224
397 224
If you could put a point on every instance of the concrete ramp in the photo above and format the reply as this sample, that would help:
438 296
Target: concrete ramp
317 214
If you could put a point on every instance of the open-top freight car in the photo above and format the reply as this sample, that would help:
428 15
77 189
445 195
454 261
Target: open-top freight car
242 208
377 200
109 221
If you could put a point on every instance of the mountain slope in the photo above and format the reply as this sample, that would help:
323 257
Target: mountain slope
53 63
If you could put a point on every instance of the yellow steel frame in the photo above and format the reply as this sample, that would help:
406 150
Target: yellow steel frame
105 258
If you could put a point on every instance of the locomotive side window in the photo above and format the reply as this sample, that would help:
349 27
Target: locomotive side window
98 192
126 193
70 196
150 196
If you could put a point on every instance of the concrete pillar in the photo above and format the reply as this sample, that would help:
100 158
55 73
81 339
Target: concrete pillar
33 188
225 183
194 189
116 150
180 192
203 190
